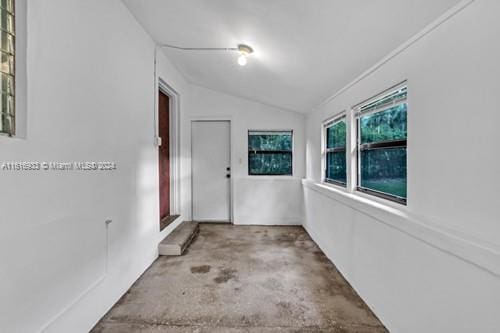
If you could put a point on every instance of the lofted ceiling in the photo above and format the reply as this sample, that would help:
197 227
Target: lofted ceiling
304 50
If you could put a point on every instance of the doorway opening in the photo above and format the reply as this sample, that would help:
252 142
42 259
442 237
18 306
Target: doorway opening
167 215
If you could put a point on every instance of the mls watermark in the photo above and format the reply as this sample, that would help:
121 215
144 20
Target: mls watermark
57 166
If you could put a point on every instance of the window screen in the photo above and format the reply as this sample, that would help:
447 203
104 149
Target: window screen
7 66
270 152
382 133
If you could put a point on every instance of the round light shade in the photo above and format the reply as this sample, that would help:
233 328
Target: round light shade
242 60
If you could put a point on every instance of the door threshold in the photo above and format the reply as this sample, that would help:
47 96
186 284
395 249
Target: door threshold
213 222
167 220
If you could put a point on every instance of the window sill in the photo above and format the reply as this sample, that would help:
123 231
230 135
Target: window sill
483 254
338 187
352 199
6 137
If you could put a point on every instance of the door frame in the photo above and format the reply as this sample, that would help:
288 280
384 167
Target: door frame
231 154
174 142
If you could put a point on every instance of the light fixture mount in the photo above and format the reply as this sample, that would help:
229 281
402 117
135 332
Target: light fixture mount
245 49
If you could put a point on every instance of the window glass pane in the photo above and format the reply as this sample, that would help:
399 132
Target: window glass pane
336 166
336 135
270 141
270 152
7 104
7 84
6 123
8 5
7 42
6 63
384 170
387 125
7 80
386 101
6 21
270 163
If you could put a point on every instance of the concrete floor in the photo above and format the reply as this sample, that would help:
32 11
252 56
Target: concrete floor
242 279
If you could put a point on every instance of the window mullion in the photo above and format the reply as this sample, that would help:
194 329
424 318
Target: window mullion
383 144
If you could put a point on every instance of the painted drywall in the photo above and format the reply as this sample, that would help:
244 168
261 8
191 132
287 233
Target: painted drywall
90 98
453 178
256 199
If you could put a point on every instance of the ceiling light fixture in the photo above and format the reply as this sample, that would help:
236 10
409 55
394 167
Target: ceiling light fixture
243 49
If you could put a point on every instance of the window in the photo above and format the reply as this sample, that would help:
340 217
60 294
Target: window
381 141
335 151
7 67
270 153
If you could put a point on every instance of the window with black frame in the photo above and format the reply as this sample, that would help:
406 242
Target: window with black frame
335 151
381 140
270 153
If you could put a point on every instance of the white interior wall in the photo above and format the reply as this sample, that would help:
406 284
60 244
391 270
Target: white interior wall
256 199
90 97
431 266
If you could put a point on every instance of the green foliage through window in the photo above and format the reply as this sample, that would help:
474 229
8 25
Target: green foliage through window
336 135
385 125
384 170
382 126
270 152
336 152
336 167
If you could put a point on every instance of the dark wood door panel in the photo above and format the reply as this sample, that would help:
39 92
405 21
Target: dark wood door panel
164 154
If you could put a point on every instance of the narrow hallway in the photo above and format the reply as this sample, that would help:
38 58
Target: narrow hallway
242 279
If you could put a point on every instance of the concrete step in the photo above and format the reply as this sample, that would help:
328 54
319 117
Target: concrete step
179 239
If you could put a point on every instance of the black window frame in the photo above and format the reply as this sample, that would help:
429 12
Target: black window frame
362 110
253 151
327 150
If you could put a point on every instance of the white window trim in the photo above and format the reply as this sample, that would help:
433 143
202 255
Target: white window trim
324 125
356 114
352 166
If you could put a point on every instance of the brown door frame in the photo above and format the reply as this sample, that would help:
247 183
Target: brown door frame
174 145
164 154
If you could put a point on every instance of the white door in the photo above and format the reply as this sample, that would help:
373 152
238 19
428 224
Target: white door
210 158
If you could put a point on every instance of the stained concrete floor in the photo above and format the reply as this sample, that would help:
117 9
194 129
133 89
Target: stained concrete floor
242 279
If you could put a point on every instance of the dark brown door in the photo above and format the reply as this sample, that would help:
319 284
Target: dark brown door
164 158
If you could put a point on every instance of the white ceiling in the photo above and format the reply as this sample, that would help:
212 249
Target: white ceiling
305 50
